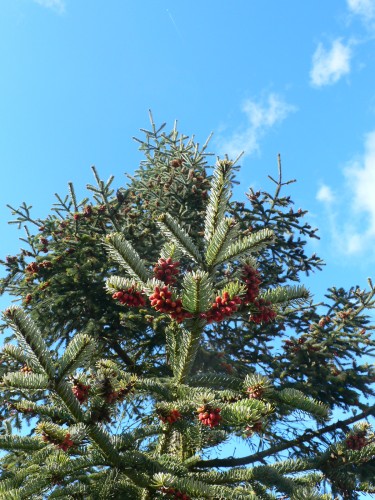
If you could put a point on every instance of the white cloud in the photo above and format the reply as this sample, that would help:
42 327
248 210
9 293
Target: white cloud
325 194
328 66
351 221
261 116
361 178
56 5
363 8
355 243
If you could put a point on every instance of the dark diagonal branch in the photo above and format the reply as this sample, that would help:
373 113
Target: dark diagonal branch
306 436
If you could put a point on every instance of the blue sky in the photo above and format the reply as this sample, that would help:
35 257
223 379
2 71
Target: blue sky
267 77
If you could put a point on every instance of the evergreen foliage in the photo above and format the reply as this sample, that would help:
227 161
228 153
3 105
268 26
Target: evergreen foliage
163 322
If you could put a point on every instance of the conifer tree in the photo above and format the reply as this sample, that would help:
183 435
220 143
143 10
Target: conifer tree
163 320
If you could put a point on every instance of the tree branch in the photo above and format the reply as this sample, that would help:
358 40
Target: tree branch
306 436
122 354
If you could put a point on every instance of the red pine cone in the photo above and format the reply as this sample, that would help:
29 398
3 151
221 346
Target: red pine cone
227 367
253 428
11 259
171 417
166 270
32 268
81 392
87 211
46 438
173 493
112 397
162 301
28 298
130 297
61 445
26 369
119 395
209 416
356 441
265 313
251 277
177 162
255 392
46 264
44 285
222 308
288 344
26 410
66 444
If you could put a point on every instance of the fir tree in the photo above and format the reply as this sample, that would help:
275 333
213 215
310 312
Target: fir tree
159 321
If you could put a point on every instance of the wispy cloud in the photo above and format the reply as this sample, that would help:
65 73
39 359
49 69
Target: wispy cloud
260 117
363 8
361 177
356 208
56 5
325 194
329 65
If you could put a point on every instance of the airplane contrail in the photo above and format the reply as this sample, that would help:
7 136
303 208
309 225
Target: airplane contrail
175 25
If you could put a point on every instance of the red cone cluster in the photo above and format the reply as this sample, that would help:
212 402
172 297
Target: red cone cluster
253 428
255 392
162 301
114 396
64 445
209 416
44 242
251 277
356 441
11 259
177 162
130 297
222 308
110 394
171 417
265 313
227 367
173 493
46 264
166 270
81 392
32 268
87 211
44 285
26 410
26 369
293 345
28 298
